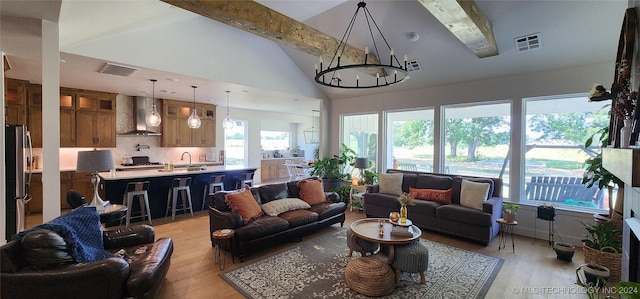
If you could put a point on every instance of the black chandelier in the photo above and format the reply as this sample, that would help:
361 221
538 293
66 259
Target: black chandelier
377 74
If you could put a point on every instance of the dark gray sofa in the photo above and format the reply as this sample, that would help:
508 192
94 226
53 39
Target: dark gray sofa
268 230
453 218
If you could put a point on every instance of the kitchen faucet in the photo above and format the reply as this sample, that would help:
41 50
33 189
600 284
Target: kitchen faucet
182 157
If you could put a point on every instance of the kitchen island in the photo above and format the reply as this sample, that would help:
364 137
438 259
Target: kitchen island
114 184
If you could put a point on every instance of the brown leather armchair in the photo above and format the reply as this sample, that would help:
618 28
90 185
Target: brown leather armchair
40 266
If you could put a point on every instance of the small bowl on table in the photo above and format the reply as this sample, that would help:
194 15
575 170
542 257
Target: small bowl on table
394 216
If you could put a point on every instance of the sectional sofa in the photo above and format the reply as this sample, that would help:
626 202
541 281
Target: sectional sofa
443 211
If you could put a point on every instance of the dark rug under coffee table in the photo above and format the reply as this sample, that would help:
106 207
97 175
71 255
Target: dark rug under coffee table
316 269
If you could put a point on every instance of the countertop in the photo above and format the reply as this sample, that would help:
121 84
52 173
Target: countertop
138 168
285 158
147 173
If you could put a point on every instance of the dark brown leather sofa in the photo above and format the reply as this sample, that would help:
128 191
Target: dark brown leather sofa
267 230
47 270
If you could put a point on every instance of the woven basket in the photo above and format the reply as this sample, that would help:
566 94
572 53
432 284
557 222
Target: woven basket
611 260
370 276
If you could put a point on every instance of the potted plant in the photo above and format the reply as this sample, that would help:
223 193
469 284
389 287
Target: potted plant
332 170
546 212
564 251
596 174
370 175
603 246
592 275
509 211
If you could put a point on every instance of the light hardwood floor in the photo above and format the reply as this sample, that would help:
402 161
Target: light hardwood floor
531 272
533 265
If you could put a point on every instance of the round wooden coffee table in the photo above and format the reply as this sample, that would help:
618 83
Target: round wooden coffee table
370 229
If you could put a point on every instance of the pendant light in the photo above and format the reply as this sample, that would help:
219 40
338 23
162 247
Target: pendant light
227 123
194 121
153 118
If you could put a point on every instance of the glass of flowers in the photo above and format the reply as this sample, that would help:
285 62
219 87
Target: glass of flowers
404 199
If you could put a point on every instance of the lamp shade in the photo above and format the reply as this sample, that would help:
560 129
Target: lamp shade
361 163
94 161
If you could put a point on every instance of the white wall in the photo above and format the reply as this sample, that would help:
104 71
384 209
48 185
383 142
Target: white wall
183 47
513 89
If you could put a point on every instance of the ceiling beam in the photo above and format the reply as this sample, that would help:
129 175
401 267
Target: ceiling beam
258 19
465 20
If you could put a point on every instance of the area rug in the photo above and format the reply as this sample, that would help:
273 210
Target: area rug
315 269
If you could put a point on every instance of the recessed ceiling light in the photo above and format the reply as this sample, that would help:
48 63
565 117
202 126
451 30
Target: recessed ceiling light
173 79
168 91
413 36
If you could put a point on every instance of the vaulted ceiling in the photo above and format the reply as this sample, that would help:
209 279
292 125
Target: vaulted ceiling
570 33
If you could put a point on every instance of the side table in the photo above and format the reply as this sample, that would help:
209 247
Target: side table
506 229
356 197
223 235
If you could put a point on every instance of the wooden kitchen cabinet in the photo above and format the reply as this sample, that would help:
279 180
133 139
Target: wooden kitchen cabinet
36 191
176 132
65 186
95 120
271 169
87 118
206 135
94 129
34 117
15 102
81 182
67 128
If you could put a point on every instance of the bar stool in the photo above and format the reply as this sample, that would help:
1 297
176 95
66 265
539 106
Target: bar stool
179 186
245 179
137 190
215 181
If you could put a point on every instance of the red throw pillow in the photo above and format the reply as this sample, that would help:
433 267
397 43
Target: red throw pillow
440 196
244 204
311 191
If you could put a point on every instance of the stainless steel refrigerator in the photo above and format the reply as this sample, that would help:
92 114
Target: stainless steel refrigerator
18 153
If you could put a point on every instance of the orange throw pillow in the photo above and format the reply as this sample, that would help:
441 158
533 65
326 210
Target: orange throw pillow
244 204
311 191
440 196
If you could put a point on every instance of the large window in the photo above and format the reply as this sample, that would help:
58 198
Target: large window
410 140
274 140
556 131
476 141
235 141
360 133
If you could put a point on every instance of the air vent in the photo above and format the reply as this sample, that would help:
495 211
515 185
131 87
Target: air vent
528 42
118 70
413 65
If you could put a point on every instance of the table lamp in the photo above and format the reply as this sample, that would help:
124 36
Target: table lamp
361 163
93 162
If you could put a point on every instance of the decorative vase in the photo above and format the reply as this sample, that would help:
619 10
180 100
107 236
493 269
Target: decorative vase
625 133
508 217
403 214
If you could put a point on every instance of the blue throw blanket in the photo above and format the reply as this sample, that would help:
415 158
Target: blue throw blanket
81 229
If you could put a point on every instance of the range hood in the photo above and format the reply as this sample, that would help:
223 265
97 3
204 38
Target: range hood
139 119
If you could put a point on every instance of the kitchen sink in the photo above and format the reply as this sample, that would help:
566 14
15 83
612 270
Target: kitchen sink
195 167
